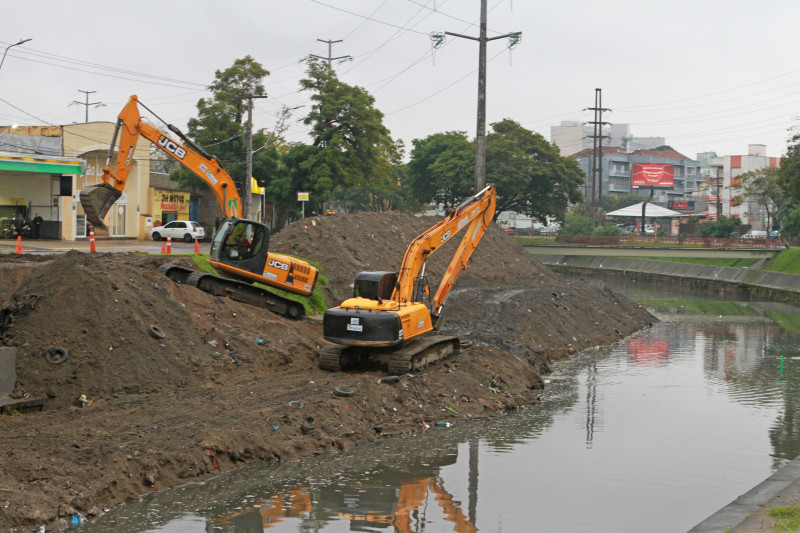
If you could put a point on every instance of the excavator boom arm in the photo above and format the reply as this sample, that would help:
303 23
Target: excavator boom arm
476 212
97 200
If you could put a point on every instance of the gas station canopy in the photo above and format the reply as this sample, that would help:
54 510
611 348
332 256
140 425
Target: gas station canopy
47 164
651 211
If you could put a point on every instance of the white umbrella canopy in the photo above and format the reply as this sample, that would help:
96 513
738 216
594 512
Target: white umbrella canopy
651 211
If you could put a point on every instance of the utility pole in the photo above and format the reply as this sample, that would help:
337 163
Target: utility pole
596 202
480 137
329 58
278 127
87 104
247 179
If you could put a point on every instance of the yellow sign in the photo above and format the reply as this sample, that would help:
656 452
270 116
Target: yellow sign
18 201
302 197
172 201
254 188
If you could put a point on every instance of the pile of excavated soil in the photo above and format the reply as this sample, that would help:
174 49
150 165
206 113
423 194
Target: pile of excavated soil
179 385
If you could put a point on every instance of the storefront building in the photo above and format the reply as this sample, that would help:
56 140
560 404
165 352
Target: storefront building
44 168
34 184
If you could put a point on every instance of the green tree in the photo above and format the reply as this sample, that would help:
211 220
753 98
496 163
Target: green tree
442 168
530 175
354 148
719 229
608 229
790 169
790 225
612 202
765 188
220 128
576 224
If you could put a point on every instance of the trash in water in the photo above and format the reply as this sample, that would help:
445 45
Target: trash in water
443 424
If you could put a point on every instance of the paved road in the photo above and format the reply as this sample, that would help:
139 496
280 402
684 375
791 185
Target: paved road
34 246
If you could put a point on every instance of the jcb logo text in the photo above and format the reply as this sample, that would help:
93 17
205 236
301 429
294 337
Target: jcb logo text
171 147
277 264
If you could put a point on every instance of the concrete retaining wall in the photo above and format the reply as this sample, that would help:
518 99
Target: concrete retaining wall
746 277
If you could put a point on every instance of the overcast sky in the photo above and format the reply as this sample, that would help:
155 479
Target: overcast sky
707 75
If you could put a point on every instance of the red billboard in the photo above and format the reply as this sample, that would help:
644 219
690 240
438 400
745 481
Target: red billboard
652 175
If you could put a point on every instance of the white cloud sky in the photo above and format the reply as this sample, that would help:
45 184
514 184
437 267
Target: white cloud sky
706 75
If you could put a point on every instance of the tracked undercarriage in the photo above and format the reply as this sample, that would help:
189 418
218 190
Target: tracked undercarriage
411 356
236 290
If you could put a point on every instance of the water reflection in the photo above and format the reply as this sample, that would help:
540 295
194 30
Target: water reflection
661 429
398 499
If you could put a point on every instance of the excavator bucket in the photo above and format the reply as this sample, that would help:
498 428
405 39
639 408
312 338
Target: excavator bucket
97 200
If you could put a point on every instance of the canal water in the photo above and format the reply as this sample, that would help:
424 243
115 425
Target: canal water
654 433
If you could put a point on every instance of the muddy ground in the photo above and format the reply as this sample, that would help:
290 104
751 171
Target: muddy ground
230 384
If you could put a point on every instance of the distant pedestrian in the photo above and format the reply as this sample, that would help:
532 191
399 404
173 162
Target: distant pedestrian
19 223
37 226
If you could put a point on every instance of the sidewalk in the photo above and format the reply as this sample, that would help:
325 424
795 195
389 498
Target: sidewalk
749 512
41 246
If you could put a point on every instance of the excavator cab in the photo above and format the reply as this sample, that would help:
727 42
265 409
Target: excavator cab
242 244
375 285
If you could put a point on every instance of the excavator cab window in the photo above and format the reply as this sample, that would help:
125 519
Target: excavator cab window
244 241
375 285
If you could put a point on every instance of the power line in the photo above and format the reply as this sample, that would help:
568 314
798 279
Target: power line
480 137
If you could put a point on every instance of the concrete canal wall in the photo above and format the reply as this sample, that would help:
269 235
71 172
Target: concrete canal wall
751 279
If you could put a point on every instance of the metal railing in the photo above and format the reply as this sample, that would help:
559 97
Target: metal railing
632 240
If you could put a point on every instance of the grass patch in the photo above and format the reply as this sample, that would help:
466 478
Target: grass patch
788 262
314 304
710 261
786 321
786 518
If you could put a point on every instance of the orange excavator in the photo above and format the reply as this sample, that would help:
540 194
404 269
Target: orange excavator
239 248
386 320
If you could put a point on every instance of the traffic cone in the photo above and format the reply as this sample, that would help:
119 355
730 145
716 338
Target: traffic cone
169 244
196 247
18 249
163 248
92 247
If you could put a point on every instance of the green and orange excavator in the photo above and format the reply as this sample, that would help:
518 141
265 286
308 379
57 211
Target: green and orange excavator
239 247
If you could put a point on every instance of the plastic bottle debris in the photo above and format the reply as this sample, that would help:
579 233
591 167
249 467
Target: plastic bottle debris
443 424
76 519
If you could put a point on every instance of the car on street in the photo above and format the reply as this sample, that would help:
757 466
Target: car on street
188 230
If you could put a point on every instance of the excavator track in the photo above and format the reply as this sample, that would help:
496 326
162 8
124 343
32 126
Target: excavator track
420 353
410 357
236 290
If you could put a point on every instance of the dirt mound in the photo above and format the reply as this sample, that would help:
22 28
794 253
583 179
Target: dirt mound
127 329
181 385
347 244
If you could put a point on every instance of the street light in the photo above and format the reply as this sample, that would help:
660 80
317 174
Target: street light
23 41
